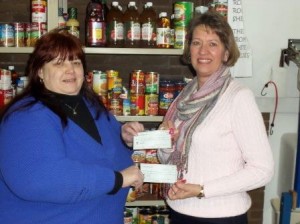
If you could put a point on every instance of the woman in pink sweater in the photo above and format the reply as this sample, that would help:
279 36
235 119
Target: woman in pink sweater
221 147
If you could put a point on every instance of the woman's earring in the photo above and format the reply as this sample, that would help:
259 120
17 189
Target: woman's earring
41 81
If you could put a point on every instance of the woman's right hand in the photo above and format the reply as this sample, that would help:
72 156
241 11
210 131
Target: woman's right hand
132 176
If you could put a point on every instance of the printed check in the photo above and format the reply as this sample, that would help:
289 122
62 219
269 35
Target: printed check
159 173
152 140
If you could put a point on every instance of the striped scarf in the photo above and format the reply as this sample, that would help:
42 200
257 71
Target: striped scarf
191 107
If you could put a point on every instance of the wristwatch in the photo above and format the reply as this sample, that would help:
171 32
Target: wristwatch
201 194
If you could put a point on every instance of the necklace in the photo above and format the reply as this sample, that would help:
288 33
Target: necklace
73 109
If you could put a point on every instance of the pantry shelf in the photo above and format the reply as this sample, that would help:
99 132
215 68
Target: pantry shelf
104 50
140 118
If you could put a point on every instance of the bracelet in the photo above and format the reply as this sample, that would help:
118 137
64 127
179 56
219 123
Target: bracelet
201 194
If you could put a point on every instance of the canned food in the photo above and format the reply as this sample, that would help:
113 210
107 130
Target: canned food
38 11
36 31
112 73
137 104
151 82
7 35
183 13
19 34
99 82
151 104
116 106
137 82
180 35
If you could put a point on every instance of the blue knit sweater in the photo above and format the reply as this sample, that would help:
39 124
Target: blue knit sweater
60 176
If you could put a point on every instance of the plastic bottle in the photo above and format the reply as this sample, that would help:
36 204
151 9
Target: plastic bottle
163 31
72 24
132 26
115 26
148 26
172 31
95 24
61 19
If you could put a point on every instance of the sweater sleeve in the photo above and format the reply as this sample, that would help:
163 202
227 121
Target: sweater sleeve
36 167
250 133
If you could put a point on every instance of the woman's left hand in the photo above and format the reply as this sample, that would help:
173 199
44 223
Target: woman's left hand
129 130
182 190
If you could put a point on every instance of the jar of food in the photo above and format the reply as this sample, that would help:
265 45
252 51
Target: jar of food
166 96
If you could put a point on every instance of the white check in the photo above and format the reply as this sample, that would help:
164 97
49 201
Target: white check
159 173
152 140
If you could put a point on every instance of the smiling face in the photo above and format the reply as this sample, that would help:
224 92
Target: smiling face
63 76
207 53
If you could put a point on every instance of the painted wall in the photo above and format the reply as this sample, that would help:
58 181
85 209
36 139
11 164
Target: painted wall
268 25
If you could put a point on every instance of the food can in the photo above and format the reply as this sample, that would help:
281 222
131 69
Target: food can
180 36
19 34
39 11
116 106
114 84
151 104
99 82
183 12
27 34
137 82
128 219
112 73
7 35
137 104
151 82
36 31
134 212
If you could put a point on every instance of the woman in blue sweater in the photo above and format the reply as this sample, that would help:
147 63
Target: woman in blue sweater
63 157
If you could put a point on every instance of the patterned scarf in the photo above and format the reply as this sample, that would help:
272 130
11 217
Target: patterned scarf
191 107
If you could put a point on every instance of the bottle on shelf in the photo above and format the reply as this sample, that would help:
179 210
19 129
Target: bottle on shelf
163 31
115 26
14 78
105 10
132 26
148 26
72 23
61 18
95 24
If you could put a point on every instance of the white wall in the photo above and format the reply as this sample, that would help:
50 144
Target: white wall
268 25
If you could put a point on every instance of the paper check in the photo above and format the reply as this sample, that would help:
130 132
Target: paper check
159 173
152 140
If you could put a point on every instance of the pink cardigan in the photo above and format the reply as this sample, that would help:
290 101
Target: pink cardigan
230 155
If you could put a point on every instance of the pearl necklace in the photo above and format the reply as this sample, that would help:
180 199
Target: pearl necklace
73 109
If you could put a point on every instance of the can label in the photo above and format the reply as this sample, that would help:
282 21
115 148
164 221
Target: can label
151 82
183 13
151 104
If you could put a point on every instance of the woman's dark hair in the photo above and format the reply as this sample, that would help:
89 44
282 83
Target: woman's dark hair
217 23
57 42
